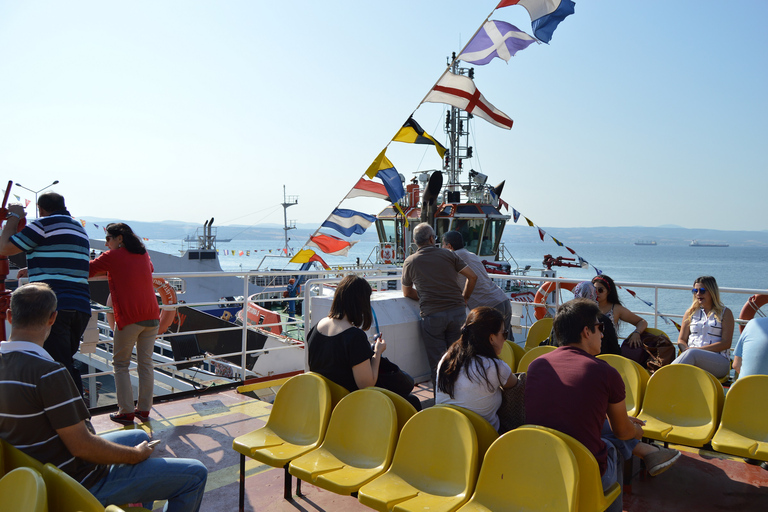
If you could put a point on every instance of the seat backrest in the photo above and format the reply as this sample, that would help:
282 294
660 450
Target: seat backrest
683 395
528 469
23 489
532 354
507 356
65 494
362 431
437 452
538 332
746 407
633 380
485 432
14 458
591 494
301 409
403 407
337 390
518 351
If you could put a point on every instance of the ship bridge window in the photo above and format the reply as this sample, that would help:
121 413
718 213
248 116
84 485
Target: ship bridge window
442 226
386 230
445 212
177 284
471 230
491 237
466 208
490 210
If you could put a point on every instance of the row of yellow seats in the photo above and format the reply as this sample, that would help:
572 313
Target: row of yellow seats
28 485
400 460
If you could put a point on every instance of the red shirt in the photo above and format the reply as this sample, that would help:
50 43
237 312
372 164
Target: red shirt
130 283
569 390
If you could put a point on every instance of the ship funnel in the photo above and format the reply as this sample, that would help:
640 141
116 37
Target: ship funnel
429 199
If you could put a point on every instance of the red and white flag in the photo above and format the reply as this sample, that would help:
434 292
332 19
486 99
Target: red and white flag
460 92
368 188
330 244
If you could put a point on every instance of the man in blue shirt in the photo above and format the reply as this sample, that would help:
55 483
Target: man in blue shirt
57 250
751 354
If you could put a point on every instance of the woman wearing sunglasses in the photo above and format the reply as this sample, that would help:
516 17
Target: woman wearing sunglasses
470 374
707 330
610 305
129 271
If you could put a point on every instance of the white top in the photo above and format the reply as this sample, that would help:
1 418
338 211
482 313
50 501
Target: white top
485 293
474 394
705 330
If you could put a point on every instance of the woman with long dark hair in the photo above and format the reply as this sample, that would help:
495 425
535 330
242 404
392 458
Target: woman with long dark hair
707 330
129 272
610 305
338 346
470 374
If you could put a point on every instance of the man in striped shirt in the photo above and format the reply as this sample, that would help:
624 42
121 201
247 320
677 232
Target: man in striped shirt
42 414
57 250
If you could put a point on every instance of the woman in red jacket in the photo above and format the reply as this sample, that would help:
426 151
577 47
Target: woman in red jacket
129 272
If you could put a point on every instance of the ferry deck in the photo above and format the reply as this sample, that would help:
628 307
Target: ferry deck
204 426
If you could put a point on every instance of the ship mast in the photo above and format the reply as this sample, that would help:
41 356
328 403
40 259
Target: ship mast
457 129
288 201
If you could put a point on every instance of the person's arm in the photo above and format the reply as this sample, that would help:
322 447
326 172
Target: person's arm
99 266
410 292
726 333
685 331
737 364
470 284
16 213
640 324
511 381
83 444
367 373
622 425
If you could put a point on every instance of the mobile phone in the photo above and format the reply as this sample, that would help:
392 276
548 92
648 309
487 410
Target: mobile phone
154 443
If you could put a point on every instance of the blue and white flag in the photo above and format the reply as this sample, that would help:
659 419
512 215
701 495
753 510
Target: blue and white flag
546 15
495 39
348 222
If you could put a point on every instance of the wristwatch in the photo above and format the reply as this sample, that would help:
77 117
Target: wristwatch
14 214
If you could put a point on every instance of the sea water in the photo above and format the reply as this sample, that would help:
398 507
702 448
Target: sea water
733 267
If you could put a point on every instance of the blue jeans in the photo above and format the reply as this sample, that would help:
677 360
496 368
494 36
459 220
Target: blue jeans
613 471
180 481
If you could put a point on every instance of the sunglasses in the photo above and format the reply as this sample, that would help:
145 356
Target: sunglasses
600 326
506 334
698 290
599 289
109 237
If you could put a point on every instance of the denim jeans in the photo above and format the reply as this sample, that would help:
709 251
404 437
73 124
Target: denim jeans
618 451
180 481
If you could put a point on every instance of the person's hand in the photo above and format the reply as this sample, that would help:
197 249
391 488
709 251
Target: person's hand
638 426
144 451
635 340
18 210
23 272
380 346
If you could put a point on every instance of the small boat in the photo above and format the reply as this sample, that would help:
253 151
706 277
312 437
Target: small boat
646 242
696 243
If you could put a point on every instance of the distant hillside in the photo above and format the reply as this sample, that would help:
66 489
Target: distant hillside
663 235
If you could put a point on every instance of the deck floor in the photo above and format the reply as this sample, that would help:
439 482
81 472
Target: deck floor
204 427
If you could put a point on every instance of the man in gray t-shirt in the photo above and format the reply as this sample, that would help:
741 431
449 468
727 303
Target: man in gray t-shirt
429 276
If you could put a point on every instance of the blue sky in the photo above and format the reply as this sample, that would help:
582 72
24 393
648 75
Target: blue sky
642 113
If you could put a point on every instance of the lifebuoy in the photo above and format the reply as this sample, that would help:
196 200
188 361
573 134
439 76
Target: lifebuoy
542 294
167 297
754 303
387 254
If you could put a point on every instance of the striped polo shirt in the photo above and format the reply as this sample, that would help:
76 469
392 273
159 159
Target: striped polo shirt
38 396
58 253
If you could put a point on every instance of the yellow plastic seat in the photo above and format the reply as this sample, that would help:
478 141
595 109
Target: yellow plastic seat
591 495
358 444
538 332
433 468
485 432
23 489
532 354
744 428
527 469
681 405
14 458
65 494
403 407
508 356
518 351
295 426
337 390
635 379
